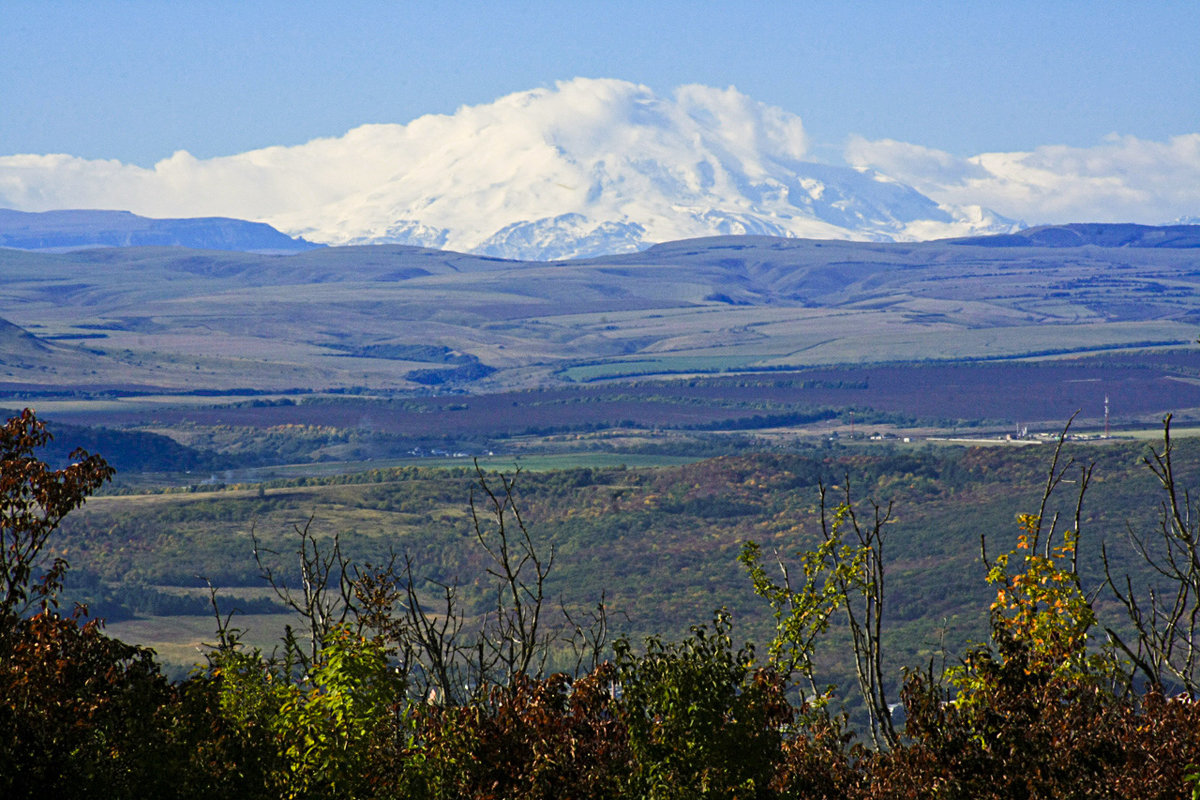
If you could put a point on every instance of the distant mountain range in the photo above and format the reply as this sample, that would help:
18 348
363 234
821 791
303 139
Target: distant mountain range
589 167
74 229
61 231
1095 234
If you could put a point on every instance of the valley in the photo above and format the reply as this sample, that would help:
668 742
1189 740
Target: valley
402 319
659 543
661 407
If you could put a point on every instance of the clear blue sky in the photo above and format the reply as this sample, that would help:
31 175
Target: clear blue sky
136 81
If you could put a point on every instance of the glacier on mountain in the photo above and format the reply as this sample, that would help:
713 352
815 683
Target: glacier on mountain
606 166
588 167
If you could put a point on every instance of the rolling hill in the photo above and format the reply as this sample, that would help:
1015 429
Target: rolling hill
403 318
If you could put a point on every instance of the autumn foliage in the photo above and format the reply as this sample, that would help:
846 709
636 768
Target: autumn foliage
389 700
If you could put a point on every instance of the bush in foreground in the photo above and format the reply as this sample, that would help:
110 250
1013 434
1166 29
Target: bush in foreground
399 694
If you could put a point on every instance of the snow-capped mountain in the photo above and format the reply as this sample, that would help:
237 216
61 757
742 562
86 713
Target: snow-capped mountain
585 168
604 166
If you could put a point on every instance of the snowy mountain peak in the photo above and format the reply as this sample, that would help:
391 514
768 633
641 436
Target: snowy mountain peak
590 166
603 166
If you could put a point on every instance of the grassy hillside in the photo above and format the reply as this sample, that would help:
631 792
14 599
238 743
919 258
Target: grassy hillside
389 317
660 543
207 437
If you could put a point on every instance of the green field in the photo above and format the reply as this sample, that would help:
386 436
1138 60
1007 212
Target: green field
182 640
662 366
660 542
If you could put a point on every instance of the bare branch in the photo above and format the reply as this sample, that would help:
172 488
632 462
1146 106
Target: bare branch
1165 619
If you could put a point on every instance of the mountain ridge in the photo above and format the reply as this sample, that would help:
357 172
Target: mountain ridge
379 316
69 229
1097 234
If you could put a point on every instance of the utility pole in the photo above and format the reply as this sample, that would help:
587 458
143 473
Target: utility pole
1105 416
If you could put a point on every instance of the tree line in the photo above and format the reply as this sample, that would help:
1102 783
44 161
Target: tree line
390 687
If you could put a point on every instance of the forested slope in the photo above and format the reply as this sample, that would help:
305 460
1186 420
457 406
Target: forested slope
394 684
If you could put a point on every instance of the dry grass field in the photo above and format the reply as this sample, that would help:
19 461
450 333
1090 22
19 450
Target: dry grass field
173 319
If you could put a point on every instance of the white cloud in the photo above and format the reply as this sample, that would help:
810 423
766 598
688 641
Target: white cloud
529 155
1120 179
515 142
597 151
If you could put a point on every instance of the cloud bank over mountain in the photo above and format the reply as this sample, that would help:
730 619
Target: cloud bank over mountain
594 166
1121 179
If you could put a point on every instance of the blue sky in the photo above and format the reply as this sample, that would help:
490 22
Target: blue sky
136 81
